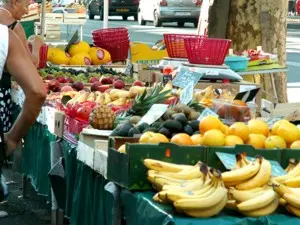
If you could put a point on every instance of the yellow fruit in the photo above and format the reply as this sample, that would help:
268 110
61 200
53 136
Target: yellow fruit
295 145
182 139
214 138
288 131
274 142
277 124
257 141
99 56
210 123
122 149
258 127
239 129
298 132
81 59
60 58
51 52
233 140
79 47
225 129
197 139
152 138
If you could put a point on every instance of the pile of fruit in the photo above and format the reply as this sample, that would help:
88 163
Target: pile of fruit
80 54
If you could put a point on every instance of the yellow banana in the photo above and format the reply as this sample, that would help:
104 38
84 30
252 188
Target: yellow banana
193 173
185 185
157 199
281 189
291 166
232 183
293 210
231 204
157 165
260 179
269 209
293 173
292 199
258 202
242 196
292 182
242 174
282 202
208 212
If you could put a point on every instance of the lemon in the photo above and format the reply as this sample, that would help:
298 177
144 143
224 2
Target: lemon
60 57
51 52
275 142
81 59
79 47
99 56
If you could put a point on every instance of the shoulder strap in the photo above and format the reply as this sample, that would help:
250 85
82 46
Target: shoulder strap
4 40
13 25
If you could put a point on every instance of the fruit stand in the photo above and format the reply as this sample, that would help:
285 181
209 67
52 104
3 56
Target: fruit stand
188 147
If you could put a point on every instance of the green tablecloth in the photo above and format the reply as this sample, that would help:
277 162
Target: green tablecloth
140 209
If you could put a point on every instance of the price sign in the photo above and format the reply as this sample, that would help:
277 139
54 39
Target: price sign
186 95
154 113
185 75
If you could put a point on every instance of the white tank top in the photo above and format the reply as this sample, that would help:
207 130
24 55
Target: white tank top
4 40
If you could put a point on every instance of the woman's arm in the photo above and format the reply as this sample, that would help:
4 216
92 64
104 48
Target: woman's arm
22 69
35 55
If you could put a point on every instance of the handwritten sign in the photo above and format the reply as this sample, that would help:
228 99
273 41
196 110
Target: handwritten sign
186 95
154 113
185 75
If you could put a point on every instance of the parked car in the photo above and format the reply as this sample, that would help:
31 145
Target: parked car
124 8
160 11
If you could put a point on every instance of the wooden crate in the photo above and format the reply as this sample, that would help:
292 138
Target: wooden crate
54 18
74 18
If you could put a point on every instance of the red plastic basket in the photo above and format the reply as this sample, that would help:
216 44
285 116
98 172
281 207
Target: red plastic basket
175 44
103 33
43 56
208 51
111 38
117 50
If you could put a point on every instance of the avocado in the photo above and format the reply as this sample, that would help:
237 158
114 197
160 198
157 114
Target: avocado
115 132
173 125
142 127
188 130
165 132
151 129
156 124
133 131
197 132
124 130
180 117
195 125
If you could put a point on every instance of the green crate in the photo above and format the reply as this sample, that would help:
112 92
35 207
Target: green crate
288 154
128 171
214 161
28 27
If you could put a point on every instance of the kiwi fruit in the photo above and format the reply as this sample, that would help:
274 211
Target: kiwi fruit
168 114
135 119
193 115
181 108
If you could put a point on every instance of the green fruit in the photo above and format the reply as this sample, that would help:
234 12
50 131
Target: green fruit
195 125
188 130
180 117
135 119
165 132
124 130
133 131
173 125
142 127
151 129
115 132
156 124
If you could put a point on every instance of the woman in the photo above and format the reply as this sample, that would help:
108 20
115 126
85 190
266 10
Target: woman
10 12
15 59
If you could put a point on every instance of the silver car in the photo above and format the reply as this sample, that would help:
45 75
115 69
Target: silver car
160 11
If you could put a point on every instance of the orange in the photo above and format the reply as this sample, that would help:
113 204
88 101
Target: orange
79 47
99 56
258 127
81 59
295 145
275 142
233 140
60 57
182 139
277 125
210 123
51 52
214 138
225 129
152 138
239 129
256 140
197 139
288 131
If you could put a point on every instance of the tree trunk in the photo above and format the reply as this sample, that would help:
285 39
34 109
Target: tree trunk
255 23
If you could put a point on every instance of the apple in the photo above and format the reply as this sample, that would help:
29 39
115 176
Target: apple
61 79
138 83
104 80
78 86
110 80
104 88
93 80
49 77
66 88
95 86
69 80
54 85
119 84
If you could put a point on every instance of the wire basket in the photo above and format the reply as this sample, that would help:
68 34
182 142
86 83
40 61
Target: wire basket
43 56
208 51
175 44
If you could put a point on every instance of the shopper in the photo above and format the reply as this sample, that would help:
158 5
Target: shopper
15 59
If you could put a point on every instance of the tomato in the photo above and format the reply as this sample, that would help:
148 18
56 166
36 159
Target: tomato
83 113
168 69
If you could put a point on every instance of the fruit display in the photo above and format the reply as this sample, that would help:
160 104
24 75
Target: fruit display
79 54
102 118
196 191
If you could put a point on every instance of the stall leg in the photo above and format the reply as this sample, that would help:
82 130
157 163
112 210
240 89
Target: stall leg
24 186
274 88
60 216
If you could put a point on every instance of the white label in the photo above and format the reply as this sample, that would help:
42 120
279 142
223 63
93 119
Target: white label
154 113
212 73
207 112
186 95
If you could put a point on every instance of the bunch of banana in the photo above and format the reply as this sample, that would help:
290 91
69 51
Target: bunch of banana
291 166
254 202
248 175
289 197
292 178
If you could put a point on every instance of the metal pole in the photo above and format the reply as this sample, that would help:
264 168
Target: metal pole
105 15
43 18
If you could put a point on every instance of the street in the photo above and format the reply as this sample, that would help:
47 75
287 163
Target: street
150 34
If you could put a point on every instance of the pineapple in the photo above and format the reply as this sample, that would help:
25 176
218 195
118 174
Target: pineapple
102 118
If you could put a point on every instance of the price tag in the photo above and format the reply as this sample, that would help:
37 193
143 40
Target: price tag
185 75
207 112
186 95
229 162
154 113
212 73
